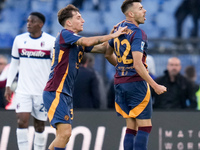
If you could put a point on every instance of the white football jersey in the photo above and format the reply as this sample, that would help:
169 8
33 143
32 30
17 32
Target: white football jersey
34 56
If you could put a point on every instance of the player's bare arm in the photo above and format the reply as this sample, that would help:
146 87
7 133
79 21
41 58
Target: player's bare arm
141 70
100 48
8 93
90 41
108 52
110 55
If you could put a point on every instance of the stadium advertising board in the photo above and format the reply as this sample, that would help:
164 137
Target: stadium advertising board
103 130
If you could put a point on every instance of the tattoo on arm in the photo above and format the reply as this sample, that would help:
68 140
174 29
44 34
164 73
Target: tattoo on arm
79 42
99 41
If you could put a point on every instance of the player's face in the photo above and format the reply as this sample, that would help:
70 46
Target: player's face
174 66
139 13
77 22
34 24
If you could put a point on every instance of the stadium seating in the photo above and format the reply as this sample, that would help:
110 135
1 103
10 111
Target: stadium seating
6 40
158 16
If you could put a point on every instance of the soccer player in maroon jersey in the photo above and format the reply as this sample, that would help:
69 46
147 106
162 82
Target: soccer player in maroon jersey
69 50
133 98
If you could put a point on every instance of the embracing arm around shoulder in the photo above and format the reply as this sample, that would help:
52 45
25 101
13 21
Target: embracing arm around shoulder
142 71
90 41
107 50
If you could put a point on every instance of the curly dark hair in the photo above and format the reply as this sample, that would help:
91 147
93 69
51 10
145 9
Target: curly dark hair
66 13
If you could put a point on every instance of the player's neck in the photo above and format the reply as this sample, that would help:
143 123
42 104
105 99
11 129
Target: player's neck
71 29
36 35
130 20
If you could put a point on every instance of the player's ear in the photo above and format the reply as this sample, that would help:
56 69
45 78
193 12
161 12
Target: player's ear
41 25
68 22
131 14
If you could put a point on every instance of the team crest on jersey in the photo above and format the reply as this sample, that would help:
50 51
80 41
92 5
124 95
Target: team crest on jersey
142 45
66 117
42 44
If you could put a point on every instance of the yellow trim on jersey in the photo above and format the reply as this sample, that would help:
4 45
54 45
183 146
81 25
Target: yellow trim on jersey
54 106
63 80
55 102
60 55
138 109
53 57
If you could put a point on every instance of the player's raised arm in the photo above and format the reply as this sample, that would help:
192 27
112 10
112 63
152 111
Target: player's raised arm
90 41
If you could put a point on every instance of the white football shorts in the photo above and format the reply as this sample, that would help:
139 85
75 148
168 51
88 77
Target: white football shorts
31 103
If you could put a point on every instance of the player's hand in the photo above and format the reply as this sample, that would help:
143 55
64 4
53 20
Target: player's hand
160 89
120 31
8 94
115 26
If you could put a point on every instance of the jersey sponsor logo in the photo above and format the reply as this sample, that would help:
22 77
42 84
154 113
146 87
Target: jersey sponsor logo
30 53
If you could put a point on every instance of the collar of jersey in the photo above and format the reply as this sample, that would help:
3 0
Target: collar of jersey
129 22
36 37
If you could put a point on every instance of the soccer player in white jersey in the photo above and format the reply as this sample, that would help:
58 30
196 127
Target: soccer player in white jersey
31 53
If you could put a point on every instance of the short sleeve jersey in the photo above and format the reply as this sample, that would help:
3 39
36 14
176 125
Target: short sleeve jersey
65 63
34 56
135 39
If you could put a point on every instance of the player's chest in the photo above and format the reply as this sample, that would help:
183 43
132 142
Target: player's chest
34 44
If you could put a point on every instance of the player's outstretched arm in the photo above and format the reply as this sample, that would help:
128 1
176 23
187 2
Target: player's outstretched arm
90 41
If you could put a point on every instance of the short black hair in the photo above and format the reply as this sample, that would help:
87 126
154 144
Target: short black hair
128 3
66 13
39 15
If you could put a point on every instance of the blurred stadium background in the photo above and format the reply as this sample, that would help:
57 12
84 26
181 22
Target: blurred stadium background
160 27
